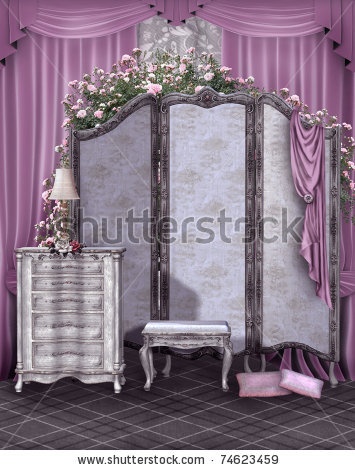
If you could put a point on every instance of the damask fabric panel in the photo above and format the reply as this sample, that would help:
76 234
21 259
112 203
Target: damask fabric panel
207 267
287 315
115 200
155 33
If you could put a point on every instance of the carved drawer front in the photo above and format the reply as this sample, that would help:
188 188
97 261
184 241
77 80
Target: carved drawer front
66 283
69 355
52 302
58 266
67 326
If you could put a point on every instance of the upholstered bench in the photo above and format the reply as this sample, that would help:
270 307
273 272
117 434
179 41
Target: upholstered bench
184 335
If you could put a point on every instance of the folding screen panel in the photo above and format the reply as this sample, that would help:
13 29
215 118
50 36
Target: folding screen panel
288 313
230 221
207 169
116 168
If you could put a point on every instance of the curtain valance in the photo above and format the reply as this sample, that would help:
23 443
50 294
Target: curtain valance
88 19
15 15
338 19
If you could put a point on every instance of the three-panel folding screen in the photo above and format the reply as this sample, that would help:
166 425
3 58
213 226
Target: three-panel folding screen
199 189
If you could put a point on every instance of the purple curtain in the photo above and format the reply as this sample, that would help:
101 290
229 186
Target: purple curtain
308 171
338 18
32 85
34 82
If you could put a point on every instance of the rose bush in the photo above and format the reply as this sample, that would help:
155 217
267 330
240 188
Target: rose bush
99 96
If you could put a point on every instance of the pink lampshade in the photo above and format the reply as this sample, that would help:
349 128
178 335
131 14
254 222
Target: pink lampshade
64 186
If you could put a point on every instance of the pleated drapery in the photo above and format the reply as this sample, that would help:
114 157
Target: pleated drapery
32 86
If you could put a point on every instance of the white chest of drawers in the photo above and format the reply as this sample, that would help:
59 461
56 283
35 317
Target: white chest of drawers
70 316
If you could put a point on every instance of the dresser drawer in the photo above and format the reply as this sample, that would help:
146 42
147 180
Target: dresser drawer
67 355
72 283
53 326
56 301
70 266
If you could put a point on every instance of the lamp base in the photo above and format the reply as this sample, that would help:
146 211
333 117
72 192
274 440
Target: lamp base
62 245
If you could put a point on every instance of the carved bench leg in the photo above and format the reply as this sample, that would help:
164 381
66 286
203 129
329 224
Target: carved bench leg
145 354
227 362
153 372
166 370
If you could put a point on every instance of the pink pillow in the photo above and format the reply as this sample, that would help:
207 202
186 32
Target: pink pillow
302 384
260 384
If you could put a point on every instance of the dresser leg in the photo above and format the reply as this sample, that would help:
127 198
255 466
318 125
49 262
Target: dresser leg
116 384
18 386
227 362
122 379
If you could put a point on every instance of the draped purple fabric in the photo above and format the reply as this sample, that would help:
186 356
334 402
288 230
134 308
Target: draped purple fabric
87 18
34 82
261 18
14 16
308 172
174 11
32 85
338 17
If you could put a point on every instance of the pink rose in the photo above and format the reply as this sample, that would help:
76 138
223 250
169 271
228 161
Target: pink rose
92 88
66 122
208 76
98 114
198 88
153 88
295 98
49 241
81 114
182 68
46 194
346 174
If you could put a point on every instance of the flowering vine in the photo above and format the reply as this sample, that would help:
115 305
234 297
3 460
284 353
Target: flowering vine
100 95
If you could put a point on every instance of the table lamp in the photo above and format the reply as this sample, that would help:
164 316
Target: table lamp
64 190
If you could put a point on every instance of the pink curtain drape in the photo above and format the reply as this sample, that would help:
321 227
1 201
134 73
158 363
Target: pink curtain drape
308 171
34 81
32 86
338 19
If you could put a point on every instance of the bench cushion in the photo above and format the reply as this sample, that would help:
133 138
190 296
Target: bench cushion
168 327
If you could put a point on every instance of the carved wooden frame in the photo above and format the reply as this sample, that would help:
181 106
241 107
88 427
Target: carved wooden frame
82 135
332 134
208 98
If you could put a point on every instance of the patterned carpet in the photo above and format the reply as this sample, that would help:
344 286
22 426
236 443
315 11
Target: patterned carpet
189 410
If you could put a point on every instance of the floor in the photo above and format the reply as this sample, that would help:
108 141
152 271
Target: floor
186 411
